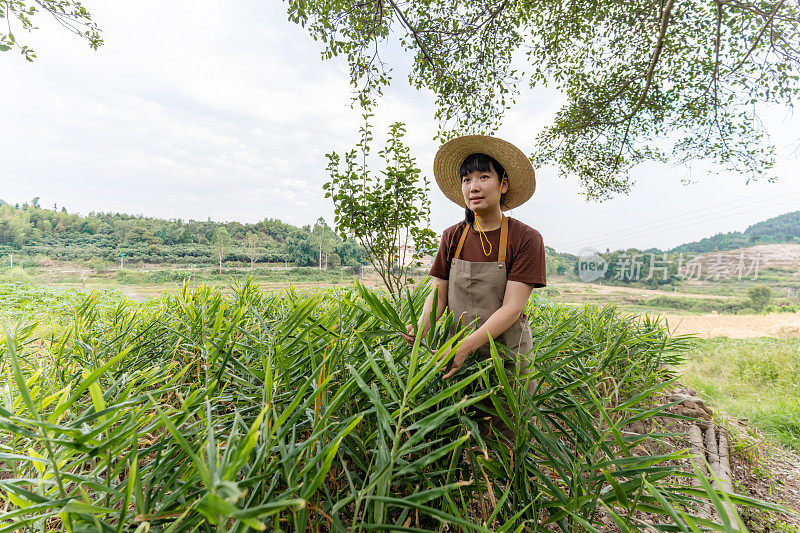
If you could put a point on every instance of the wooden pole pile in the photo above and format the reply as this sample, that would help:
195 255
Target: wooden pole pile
710 449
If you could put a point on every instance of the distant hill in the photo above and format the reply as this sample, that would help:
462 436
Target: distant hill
2 202
105 237
743 263
778 227
777 230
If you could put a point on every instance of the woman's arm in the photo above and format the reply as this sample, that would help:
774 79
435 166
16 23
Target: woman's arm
514 300
425 320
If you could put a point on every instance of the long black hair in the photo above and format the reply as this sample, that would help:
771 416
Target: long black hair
480 163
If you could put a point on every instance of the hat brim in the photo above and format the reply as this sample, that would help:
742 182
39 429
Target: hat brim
447 163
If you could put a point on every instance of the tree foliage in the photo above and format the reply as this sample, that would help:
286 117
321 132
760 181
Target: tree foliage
221 243
324 241
781 229
759 295
22 14
385 212
642 81
252 243
31 230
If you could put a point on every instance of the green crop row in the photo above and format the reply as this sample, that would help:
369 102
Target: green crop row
244 410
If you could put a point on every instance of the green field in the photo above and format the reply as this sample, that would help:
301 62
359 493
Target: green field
242 409
757 379
144 281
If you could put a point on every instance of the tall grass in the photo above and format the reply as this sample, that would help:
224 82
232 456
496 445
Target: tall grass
757 378
308 412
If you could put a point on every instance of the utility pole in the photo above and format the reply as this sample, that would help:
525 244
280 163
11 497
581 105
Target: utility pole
122 261
12 260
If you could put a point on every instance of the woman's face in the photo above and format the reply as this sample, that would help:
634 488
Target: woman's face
482 190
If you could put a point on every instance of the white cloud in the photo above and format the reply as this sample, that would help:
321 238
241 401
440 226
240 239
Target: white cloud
225 110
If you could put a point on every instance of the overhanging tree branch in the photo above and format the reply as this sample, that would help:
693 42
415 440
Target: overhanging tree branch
414 33
635 76
757 40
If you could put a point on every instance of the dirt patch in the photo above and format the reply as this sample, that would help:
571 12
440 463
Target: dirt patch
780 325
767 472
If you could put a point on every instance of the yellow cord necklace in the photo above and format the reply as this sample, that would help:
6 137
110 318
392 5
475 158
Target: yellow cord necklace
481 234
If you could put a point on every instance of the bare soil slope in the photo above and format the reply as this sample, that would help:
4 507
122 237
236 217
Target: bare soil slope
783 256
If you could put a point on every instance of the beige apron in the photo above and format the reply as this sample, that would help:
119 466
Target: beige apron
475 290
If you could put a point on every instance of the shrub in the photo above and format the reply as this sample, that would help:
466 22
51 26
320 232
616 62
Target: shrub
129 277
746 311
759 296
97 263
673 302
732 306
166 276
700 305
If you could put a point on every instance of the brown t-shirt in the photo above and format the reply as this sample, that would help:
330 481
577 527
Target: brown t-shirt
524 254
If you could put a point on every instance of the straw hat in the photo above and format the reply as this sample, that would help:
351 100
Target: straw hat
521 177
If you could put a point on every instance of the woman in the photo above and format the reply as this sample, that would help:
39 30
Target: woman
488 264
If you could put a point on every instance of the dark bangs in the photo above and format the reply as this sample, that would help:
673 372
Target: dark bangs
481 163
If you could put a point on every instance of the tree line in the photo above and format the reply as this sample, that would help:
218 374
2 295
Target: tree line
776 230
31 229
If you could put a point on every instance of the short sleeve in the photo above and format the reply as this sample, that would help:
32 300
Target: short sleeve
441 263
529 260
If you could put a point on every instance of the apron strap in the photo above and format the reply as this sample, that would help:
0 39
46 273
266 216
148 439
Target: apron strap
461 241
501 253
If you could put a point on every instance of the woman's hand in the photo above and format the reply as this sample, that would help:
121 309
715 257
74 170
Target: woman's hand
516 295
409 335
458 361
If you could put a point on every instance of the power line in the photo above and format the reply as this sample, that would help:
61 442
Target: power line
694 220
710 210
673 227
682 215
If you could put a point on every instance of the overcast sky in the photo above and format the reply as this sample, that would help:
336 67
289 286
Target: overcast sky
225 110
